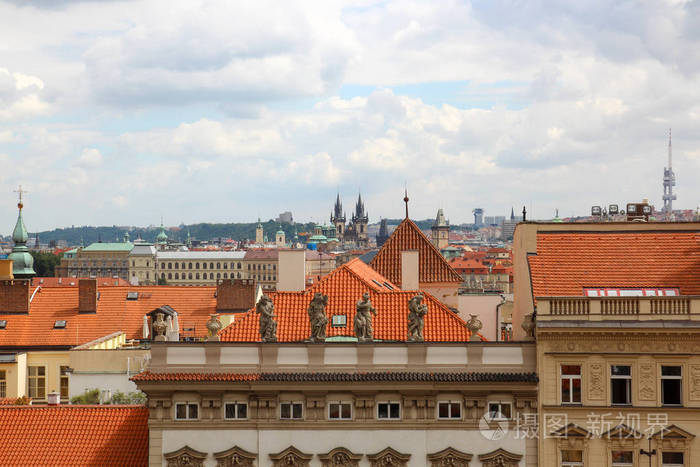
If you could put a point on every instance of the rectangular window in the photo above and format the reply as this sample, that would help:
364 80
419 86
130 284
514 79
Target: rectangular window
186 411
622 459
291 410
672 459
571 384
571 458
449 410
389 410
621 384
3 384
339 321
671 377
236 410
500 410
340 411
64 382
37 382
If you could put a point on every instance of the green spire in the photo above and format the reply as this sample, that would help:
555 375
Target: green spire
162 236
22 261
126 237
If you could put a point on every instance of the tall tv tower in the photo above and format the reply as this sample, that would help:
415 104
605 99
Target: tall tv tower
669 181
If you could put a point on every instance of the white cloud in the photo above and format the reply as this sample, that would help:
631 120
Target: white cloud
20 96
90 158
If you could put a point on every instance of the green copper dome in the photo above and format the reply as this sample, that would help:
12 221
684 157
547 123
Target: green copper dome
22 261
162 237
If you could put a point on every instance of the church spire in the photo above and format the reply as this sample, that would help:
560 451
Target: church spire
22 261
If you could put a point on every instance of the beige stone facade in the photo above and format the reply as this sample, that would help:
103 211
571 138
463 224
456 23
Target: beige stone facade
418 404
97 260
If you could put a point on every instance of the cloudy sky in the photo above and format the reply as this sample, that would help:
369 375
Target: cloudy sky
118 112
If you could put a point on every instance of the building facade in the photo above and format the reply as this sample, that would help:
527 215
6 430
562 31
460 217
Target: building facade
97 260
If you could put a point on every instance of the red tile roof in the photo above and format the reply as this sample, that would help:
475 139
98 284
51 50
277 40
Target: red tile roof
432 266
344 288
469 266
74 435
565 263
73 281
114 313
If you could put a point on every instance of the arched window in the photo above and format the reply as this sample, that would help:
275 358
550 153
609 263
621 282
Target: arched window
204 265
219 267
177 276
204 275
177 265
239 275
170 265
162 275
218 275
211 265
196 265
189 276
197 276
264 266
189 265
183 266
225 275
239 265
170 275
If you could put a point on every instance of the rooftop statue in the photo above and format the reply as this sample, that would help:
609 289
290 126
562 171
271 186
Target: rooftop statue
416 312
317 317
268 326
159 328
363 319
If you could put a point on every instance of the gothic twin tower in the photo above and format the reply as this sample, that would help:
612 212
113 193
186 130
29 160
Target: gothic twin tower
356 230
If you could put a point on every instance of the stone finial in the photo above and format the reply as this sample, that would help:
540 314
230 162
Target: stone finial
317 317
474 325
363 319
159 328
268 326
416 312
213 327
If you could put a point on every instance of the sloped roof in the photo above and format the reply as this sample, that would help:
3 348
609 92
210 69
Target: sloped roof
344 288
74 435
109 246
432 266
567 262
114 313
466 263
73 281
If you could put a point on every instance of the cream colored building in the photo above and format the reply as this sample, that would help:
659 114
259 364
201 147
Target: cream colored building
142 264
429 404
97 260
199 267
617 329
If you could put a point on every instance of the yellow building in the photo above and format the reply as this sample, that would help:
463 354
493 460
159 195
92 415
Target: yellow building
617 329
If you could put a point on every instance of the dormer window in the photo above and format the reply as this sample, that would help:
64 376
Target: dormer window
59 324
3 323
339 321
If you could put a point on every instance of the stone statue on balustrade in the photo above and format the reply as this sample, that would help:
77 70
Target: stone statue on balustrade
416 312
363 319
317 317
213 327
474 325
159 328
268 326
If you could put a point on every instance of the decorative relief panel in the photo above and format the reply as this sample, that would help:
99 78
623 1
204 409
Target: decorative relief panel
449 457
340 457
647 382
388 458
595 386
695 382
500 458
185 457
235 457
291 457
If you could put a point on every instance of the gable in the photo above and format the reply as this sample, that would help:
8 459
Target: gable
432 266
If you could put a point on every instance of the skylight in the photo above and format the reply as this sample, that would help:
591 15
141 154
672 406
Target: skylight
59 324
377 282
132 295
3 323
339 321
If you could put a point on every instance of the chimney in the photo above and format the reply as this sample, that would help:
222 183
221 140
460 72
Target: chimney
409 270
53 398
87 296
6 269
291 270
14 296
235 296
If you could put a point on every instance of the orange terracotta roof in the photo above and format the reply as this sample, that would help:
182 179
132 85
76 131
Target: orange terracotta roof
73 281
74 435
469 265
432 266
565 263
195 377
114 313
344 288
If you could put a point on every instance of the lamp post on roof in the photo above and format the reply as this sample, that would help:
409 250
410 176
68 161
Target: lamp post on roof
405 200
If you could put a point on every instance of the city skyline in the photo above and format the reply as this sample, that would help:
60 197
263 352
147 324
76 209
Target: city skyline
116 115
